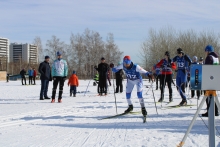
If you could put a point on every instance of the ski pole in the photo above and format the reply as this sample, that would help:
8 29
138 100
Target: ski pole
154 100
87 87
114 93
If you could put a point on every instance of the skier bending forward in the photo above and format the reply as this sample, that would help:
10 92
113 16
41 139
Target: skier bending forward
133 74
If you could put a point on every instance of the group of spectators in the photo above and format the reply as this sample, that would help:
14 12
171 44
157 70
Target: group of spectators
32 73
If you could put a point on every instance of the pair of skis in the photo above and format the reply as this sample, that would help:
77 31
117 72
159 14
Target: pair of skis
121 114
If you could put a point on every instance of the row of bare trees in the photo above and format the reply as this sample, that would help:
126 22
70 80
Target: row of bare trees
168 39
83 52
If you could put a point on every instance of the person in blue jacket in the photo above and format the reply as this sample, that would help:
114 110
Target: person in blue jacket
31 74
183 62
133 74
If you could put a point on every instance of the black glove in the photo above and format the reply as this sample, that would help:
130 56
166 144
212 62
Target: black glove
162 66
64 78
168 65
54 78
176 70
111 65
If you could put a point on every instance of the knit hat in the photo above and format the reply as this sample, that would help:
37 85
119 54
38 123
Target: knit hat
167 53
127 60
74 72
102 58
59 53
195 58
209 48
47 57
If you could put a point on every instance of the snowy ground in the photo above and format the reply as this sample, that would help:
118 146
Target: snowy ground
27 121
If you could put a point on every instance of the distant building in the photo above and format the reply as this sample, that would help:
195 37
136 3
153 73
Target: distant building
4 53
23 52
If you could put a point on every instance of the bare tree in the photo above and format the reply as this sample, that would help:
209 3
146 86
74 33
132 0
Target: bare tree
55 45
38 43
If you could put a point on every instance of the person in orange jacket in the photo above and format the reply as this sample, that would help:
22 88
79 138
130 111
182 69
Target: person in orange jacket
73 82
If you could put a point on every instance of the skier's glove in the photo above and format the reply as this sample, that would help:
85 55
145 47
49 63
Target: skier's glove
147 73
114 70
111 65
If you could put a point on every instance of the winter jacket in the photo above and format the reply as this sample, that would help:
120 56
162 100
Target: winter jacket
22 73
30 72
166 66
45 71
119 74
73 80
35 73
212 58
103 69
59 68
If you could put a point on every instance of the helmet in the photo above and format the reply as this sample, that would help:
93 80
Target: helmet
195 58
201 59
209 48
179 50
167 53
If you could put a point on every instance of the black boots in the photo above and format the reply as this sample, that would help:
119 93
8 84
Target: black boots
183 103
144 112
130 108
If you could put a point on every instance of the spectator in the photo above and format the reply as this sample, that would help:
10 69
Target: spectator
73 82
30 73
22 73
59 74
45 77
34 75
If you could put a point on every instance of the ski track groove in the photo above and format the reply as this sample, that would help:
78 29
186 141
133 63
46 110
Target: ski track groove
19 122
87 137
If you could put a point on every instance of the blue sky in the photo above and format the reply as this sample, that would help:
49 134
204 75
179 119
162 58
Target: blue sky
128 20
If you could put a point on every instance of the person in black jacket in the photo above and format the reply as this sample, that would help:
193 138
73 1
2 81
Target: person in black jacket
22 73
103 69
119 78
45 76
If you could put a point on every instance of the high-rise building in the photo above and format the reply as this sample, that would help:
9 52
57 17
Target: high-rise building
24 52
4 53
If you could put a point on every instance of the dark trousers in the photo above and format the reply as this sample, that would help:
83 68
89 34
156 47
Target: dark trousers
119 85
157 79
208 105
73 89
197 93
102 86
44 88
56 81
23 78
163 80
30 80
34 79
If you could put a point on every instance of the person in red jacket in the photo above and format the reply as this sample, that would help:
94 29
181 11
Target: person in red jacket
166 75
73 82
34 75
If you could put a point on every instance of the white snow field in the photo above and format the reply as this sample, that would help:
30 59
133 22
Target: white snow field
28 122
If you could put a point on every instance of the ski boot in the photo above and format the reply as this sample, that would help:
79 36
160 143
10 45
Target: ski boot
144 112
183 103
161 98
130 108
74 95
